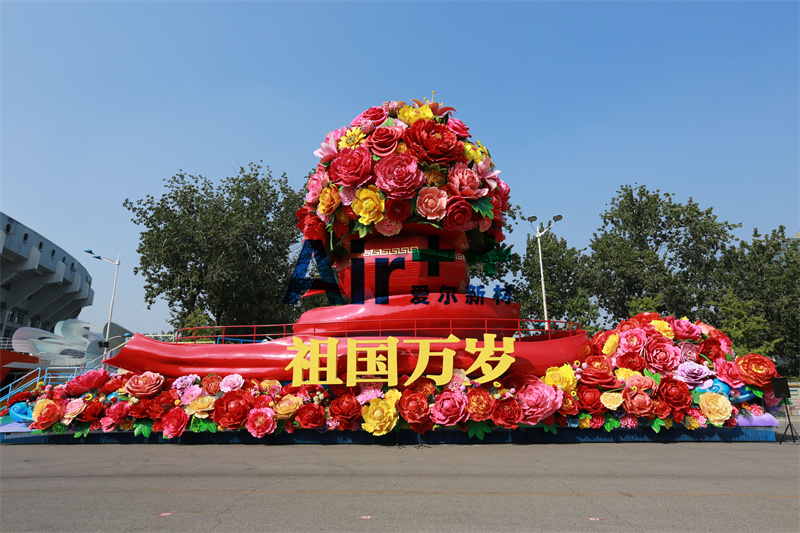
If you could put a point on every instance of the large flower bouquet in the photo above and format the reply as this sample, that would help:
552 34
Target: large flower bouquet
647 372
398 164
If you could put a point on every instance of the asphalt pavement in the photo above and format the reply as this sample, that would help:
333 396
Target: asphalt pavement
558 487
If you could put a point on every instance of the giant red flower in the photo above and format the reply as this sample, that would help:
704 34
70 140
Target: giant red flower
310 225
449 408
397 210
351 166
661 355
399 176
637 402
756 369
345 409
310 415
631 361
589 400
459 214
413 407
160 405
433 143
507 413
384 140
82 384
480 404
675 393
230 411
174 422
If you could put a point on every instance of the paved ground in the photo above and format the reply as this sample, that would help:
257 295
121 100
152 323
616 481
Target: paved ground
570 487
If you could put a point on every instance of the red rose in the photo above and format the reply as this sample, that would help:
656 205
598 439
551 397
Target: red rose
433 143
48 415
756 369
480 404
661 409
210 384
117 411
637 321
160 405
632 361
399 176
413 407
507 413
661 355
569 405
351 166
92 411
342 389
113 384
146 385
230 411
377 115
23 396
93 379
383 141
712 348
310 225
459 214
599 362
397 210
424 386
340 229
174 422
140 409
310 416
637 402
345 409
675 393
594 377
589 400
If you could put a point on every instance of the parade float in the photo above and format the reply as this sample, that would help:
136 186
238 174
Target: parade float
402 202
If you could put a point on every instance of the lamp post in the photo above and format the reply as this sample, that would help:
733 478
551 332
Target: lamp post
539 233
113 290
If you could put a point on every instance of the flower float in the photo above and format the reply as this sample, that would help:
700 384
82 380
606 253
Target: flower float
648 372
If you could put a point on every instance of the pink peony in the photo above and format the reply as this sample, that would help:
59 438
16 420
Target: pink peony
231 383
399 176
86 382
114 415
728 373
463 181
388 227
261 422
316 183
538 400
449 408
694 375
191 393
458 127
432 203
631 341
174 422
72 409
347 194
684 330
661 355
328 149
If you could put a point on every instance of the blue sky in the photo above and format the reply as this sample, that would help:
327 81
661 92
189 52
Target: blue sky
102 101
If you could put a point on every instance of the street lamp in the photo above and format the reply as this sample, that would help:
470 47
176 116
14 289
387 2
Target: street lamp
539 234
113 290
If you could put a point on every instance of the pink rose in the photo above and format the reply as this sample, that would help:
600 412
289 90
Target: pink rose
432 203
690 352
374 114
261 422
464 181
459 215
661 355
72 409
631 341
728 373
458 127
399 176
538 400
174 422
352 166
449 408
114 415
640 382
328 149
684 330
146 385
384 140
388 227
316 183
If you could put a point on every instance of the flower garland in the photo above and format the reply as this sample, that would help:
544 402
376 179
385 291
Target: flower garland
647 372
397 164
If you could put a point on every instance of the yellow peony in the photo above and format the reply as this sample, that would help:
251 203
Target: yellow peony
368 205
668 422
663 327
286 406
200 407
410 115
611 345
625 373
328 200
352 138
563 377
690 423
380 416
392 396
611 400
715 407
585 423
434 178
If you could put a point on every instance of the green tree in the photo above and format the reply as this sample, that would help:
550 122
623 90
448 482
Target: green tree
651 248
762 278
219 251
567 298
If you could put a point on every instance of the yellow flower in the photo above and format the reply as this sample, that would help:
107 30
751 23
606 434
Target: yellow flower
563 376
401 147
611 345
625 373
611 400
392 396
39 407
715 407
328 200
472 152
690 423
410 115
585 423
380 416
352 138
368 205
286 406
668 422
435 178
200 407
268 384
663 327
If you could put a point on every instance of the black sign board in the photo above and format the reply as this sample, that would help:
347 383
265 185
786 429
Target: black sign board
781 387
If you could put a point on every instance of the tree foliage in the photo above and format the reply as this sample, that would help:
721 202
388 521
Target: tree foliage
221 252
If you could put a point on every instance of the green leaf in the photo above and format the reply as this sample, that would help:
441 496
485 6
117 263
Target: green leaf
584 415
655 376
388 122
657 424
482 206
362 230
478 429
143 427
696 393
38 432
755 390
612 422
551 429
